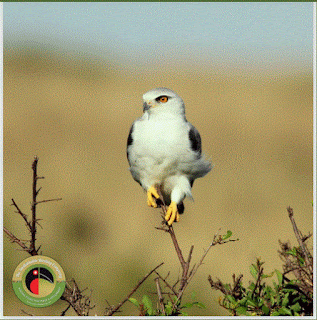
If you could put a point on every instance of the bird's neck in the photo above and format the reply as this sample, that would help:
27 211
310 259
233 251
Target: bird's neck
158 114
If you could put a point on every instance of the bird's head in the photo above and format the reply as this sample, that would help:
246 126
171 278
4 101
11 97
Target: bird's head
163 100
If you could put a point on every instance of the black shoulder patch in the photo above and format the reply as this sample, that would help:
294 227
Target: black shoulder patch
130 139
195 140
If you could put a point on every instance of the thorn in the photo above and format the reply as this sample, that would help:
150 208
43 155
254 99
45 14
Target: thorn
37 222
37 192
48 200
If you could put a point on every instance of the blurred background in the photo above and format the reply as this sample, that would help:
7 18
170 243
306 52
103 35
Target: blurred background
74 76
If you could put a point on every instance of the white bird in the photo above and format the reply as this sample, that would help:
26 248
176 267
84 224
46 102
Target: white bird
164 151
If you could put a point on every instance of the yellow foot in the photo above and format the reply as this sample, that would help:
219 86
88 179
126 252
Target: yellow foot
150 194
172 213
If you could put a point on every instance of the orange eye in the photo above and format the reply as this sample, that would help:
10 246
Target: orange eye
162 99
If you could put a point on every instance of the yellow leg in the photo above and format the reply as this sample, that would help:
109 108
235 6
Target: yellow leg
150 194
172 213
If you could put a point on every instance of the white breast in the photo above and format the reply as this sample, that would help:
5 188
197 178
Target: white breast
161 139
160 148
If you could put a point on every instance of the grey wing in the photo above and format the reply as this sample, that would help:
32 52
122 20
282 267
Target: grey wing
194 139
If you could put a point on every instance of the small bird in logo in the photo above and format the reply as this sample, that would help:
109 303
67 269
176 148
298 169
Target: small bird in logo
39 281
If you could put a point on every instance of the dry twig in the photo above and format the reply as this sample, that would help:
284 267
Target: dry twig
14 239
160 297
187 274
303 268
79 302
31 224
112 309
301 241
233 290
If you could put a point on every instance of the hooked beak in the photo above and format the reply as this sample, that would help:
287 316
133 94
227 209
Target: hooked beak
146 106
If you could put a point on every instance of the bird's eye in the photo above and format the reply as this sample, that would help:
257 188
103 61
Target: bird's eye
162 99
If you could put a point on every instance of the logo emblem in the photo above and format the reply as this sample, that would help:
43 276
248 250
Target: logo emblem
38 281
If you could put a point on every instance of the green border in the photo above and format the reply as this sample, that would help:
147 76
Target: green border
39 302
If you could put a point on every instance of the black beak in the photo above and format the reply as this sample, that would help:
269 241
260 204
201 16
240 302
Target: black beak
146 107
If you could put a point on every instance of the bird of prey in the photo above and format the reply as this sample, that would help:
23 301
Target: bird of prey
164 152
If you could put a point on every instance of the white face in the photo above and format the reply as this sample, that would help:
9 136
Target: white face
165 99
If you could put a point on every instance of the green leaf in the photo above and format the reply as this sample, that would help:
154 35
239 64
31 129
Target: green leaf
135 302
241 310
292 252
285 300
200 305
243 301
252 303
267 275
148 305
251 286
283 311
168 308
265 310
228 235
231 298
194 304
296 307
301 260
254 271
188 305
267 291
279 277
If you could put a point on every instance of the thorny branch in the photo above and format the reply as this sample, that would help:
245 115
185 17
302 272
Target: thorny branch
33 250
303 271
33 222
233 290
112 309
187 273
301 241
14 239
24 216
79 302
167 284
259 278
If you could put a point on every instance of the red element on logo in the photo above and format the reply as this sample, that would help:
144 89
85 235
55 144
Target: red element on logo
35 272
34 286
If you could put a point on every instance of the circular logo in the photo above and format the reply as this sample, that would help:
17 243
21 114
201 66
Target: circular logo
38 281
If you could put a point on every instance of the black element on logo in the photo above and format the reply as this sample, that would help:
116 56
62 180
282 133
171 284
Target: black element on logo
33 276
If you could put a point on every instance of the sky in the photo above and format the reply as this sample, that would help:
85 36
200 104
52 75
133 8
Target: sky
151 32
